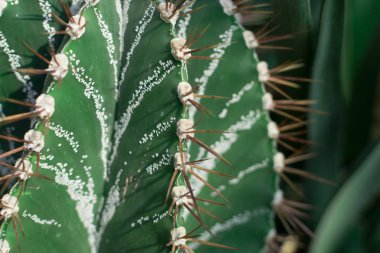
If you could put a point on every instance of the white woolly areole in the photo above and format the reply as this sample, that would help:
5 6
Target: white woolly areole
3 5
92 2
76 27
228 6
46 104
185 92
177 234
179 195
4 246
273 131
250 39
268 102
262 68
10 206
278 198
24 169
279 162
167 13
59 66
179 49
178 161
184 126
34 141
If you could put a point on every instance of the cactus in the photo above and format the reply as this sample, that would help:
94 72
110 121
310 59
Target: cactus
99 180
125 178
152 128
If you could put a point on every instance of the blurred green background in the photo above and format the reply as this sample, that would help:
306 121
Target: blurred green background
339 41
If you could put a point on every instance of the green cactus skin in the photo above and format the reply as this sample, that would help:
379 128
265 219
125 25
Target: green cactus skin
111 140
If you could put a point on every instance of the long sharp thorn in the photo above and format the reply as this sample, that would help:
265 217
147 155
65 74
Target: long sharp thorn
32 71
287 115
198 218
307 175
210 171
37 162
210 96
187 5
14 118
16 230
175 216
192 231
299 204
292 126
302 226
11 152
20 224
299 158
204 57
284 222
284 82
291 184
35 52
3 178
208 185
58 19
208 148
7 182
171 208
201 107
187 181
286 145
212 244
210 214
278 90
210 201
190 43
22 187
14 101
209 131
170 186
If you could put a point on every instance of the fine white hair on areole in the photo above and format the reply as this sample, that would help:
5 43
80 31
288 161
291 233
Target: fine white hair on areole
228 6
46 106
10 206
279 162
177 235
185 92
273 130
179 164
34 141
58 66
250 39
268 102
4 246
76 27
3 5
278 198
179 195
24 169
185 128
168 12
263 69
179 49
